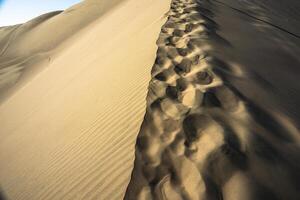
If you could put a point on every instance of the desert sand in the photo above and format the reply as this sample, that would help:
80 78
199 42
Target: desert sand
203 137
160 100
69 123
25 46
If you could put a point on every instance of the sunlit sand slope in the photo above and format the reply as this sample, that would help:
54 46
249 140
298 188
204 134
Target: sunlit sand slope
69 132
23 47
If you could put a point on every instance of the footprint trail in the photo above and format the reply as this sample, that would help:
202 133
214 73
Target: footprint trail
198 140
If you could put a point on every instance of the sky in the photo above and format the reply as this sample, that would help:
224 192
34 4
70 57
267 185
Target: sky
19 11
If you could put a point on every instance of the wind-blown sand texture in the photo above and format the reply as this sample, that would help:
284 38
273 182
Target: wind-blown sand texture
68 132
221 118
201 139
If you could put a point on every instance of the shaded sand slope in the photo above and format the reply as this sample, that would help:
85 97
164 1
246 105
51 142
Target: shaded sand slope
69 132
23 47
266 54
222 113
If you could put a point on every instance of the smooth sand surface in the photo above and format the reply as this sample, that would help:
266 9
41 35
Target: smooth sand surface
24 47
68 132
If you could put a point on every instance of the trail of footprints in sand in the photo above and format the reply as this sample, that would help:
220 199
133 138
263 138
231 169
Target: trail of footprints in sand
178 132
183 150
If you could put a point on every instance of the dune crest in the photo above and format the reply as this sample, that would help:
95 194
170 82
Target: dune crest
201 139
221 117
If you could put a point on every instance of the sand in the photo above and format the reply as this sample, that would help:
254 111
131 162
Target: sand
26 47
160 100
202 138
69 130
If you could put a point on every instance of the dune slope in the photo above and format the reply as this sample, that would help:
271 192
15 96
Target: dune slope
69 132
26 48
222 113
220 122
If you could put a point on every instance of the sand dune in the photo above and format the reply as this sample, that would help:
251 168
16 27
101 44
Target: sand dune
202 138
39 37
68 131
220 120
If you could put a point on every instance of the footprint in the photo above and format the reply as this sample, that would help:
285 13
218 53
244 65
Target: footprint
194 125
204 78
180 132
191 98
183 67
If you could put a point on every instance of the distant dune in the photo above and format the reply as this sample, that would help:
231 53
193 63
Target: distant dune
24 46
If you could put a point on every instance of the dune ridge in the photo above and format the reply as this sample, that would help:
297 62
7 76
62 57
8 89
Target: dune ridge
221 109
201 138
